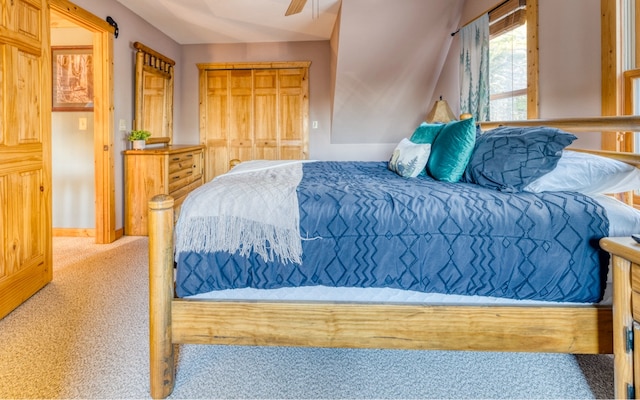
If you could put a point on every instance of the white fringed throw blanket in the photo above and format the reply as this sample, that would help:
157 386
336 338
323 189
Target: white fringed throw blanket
252 208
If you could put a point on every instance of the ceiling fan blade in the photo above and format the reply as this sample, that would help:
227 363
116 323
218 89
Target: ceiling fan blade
295 7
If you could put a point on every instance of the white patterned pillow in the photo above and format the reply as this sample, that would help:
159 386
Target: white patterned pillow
409 159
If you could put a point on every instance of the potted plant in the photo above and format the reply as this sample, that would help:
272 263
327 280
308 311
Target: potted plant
138 139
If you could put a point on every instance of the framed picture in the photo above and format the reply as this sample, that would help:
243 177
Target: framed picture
72 78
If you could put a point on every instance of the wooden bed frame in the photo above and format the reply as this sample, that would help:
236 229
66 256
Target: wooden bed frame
565 329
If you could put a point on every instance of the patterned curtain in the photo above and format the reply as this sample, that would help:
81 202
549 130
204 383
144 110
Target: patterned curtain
474 68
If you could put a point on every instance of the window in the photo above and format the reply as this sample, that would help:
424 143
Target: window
508 64
630 141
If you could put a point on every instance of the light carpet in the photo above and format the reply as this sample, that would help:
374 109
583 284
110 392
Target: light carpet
85 336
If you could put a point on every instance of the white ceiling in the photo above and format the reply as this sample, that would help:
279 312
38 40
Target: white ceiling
237 21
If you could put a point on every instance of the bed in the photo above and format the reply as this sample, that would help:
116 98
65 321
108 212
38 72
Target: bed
527 322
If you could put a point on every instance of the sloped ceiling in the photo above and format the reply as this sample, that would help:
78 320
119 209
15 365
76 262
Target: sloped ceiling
237 21
387 54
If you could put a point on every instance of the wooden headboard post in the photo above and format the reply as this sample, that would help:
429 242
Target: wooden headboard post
595 124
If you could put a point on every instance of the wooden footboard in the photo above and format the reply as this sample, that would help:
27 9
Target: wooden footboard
579 329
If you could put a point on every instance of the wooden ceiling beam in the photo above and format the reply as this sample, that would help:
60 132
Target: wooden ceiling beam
295 7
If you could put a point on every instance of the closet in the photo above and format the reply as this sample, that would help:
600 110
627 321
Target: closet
253 111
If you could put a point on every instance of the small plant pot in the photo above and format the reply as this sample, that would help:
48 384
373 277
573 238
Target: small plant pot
138 144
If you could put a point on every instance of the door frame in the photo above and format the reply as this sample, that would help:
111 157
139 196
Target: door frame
105 212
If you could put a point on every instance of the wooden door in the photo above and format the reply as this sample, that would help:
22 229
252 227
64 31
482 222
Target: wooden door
293 114
239 139
213 116
253 111
25 163
265 114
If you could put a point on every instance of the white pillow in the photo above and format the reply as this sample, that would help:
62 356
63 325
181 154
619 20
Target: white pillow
409 159
624 220
588 174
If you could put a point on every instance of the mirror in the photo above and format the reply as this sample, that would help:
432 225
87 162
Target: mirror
154 94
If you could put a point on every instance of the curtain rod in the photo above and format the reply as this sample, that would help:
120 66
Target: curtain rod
487 12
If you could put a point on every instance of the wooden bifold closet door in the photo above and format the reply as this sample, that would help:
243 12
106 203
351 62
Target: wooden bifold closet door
253 111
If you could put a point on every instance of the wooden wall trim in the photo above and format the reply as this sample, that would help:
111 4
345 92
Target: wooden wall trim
80 16
255 65
533 64
74 232
611 59
105 231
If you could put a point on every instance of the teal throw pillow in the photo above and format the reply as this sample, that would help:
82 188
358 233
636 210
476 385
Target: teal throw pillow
426 133
451 150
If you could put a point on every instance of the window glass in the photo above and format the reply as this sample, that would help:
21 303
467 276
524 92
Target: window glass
508 75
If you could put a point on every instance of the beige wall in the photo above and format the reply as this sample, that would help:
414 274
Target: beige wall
388 61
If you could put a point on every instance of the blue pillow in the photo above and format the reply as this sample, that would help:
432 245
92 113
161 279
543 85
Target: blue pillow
509 158
451 150
426 133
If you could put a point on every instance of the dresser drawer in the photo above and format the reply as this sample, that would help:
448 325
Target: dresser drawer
184 168
635 277
182 161
180 195
180 179
635 291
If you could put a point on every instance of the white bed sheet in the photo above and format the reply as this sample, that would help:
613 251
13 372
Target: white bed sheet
623 221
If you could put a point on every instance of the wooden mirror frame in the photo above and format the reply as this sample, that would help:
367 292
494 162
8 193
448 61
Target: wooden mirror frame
154 94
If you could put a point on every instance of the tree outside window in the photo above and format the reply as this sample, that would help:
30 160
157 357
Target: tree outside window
508 75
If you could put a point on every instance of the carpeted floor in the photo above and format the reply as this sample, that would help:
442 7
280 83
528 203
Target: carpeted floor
85 336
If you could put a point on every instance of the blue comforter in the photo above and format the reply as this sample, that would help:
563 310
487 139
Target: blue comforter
365 226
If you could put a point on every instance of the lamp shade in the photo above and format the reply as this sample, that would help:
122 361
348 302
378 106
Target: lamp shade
441 112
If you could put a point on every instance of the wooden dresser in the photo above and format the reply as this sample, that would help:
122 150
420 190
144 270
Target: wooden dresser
625 253
173 170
